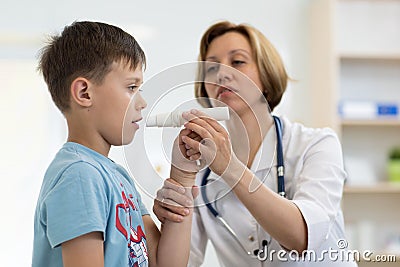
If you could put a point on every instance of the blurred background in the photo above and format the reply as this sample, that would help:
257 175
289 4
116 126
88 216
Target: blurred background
344 56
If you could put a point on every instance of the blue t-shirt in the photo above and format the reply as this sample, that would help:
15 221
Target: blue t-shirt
82 192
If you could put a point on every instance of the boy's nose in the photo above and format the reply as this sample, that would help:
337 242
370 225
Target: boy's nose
140 102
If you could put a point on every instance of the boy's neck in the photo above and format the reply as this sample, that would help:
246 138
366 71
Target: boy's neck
80 132
102 149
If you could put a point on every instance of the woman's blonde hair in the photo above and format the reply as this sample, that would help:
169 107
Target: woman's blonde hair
270 66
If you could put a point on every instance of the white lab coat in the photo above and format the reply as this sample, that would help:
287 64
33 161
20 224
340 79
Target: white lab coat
314 178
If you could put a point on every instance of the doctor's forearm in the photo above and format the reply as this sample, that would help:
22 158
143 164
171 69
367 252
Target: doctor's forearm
278 216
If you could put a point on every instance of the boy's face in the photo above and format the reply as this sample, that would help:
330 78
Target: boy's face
118 104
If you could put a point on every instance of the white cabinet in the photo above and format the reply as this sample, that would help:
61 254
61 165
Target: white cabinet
356 57
367 49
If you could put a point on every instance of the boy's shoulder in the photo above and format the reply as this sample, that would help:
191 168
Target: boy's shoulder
71 153
74 157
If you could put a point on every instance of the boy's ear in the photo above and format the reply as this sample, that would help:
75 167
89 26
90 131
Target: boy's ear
80 92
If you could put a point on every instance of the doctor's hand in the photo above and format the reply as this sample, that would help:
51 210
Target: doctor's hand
172 202
215 145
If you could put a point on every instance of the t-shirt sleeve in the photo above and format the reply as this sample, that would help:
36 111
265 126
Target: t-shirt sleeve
319 188
77 204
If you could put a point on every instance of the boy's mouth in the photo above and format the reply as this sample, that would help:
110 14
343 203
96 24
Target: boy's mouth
135 121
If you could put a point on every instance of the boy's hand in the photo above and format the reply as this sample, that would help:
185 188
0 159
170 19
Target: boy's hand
173 202
184 165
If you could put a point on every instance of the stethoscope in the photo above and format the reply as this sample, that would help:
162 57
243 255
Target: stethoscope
258 253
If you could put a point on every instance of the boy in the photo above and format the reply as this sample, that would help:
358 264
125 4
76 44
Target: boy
89 212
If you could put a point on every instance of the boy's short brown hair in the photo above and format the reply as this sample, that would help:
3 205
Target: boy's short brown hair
85 49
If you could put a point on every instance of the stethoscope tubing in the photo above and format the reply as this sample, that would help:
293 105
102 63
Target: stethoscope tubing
280 181
279 157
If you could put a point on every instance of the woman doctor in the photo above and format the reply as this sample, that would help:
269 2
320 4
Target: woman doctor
259 227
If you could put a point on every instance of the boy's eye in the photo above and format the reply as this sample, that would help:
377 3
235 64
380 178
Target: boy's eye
133 87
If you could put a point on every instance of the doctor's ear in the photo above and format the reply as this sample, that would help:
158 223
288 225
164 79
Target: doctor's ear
80 92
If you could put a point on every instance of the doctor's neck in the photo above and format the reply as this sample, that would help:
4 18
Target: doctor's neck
247 132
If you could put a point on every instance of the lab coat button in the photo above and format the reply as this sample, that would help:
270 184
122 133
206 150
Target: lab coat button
251 238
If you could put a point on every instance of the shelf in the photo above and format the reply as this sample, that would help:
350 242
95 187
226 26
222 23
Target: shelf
369 56
380 122
389 257
379 188
384 259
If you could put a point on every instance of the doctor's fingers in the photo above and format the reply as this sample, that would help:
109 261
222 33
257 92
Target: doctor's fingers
169 197
163 210
205 150
203 129
211 121
162 213
187 132
206 127
220 139
195 137
170 183
201 121
192 151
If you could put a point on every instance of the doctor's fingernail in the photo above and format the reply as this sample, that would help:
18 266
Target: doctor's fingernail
194 111
182 190
186 211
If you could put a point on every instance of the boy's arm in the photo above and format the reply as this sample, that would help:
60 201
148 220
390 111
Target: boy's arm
172 246
84 251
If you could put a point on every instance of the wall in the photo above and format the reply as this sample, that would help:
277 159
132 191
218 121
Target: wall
169 31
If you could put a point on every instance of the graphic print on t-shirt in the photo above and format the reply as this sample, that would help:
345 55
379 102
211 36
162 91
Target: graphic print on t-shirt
135 237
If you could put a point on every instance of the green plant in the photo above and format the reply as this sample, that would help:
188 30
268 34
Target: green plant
394 153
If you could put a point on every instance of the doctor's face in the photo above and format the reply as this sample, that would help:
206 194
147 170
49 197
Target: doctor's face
231 74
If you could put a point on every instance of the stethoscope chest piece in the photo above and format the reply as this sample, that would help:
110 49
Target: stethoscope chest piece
262 254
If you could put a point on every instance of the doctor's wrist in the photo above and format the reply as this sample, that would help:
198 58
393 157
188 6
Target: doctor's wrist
234 172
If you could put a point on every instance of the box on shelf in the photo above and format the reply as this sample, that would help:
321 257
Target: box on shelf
368 110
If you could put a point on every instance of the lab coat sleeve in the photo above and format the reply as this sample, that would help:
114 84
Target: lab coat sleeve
319 186
198 241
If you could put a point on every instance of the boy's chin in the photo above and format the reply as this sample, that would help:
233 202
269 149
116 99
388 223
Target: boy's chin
127 140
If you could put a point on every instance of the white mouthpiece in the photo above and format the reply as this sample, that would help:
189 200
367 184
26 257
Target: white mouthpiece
175 119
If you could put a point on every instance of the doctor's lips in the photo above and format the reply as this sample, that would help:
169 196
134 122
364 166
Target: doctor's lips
222 89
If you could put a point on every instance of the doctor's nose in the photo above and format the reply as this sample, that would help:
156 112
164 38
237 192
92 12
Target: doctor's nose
224 74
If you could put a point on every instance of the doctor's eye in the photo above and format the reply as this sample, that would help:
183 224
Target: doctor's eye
211 68
237 62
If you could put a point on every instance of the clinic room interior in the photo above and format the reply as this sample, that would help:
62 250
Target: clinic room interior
343 58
